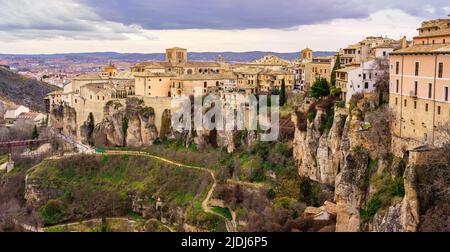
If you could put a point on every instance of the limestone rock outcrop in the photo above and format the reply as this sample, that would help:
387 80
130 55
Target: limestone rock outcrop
131 125
348 156
64 118
350 191
318 155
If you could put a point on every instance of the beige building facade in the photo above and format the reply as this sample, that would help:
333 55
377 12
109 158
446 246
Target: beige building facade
420 83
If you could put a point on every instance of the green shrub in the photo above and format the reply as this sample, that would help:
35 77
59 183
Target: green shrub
52 212
261 149
271 194
340 104
328 121
335 91
311 116
225 212
320 88
397 187
372 208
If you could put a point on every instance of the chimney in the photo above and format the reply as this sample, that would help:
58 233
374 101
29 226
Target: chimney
404 42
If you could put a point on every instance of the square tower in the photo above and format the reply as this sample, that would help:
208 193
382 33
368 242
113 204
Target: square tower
176 55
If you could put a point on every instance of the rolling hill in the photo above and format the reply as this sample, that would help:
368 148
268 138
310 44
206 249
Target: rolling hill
21 90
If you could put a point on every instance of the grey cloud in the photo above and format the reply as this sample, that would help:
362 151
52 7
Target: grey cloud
27 19
242 14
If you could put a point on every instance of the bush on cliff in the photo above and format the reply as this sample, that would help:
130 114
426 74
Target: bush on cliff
320 88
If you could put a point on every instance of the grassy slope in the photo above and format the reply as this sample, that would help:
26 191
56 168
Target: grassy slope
92 186
23 91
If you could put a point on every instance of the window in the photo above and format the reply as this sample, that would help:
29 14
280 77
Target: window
397 87
441 70
205 84
364 76
396 101
445 93
416 72
76 101
406 102
366 85
439 110
397 67
426 107
415 105
384 54
430 89
416 86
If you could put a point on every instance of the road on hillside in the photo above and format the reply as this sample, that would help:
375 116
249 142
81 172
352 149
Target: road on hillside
230 225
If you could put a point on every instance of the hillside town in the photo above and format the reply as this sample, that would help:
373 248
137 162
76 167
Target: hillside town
363 143
417 97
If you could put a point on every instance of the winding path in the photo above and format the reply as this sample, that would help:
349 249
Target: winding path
230 225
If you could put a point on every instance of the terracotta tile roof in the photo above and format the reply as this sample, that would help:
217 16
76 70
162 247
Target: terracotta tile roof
149 74
205 77
29 115
423 49
202 64
88 76
349 68
438 33
164 64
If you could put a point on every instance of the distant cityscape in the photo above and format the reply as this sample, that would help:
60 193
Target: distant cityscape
60 69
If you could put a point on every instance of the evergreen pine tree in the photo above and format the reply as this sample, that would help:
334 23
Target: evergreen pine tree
283 93
336 67
35 133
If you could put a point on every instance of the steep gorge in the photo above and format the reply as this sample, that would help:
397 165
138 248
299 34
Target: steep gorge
354 156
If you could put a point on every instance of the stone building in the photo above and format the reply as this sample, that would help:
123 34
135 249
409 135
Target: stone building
157 82
364 66
419 85
308 69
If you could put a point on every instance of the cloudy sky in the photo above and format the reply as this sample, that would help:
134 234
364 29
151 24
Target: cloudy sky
56 26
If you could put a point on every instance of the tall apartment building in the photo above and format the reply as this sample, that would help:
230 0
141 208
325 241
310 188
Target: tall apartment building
419 85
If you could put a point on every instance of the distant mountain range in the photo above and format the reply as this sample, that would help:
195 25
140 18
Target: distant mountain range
195 56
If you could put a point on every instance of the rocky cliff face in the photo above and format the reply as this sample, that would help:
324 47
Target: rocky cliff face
350 191
349 156
318 155
64 118
131 125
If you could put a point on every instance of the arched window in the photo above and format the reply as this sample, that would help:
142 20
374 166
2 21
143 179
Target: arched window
189 71
205 84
